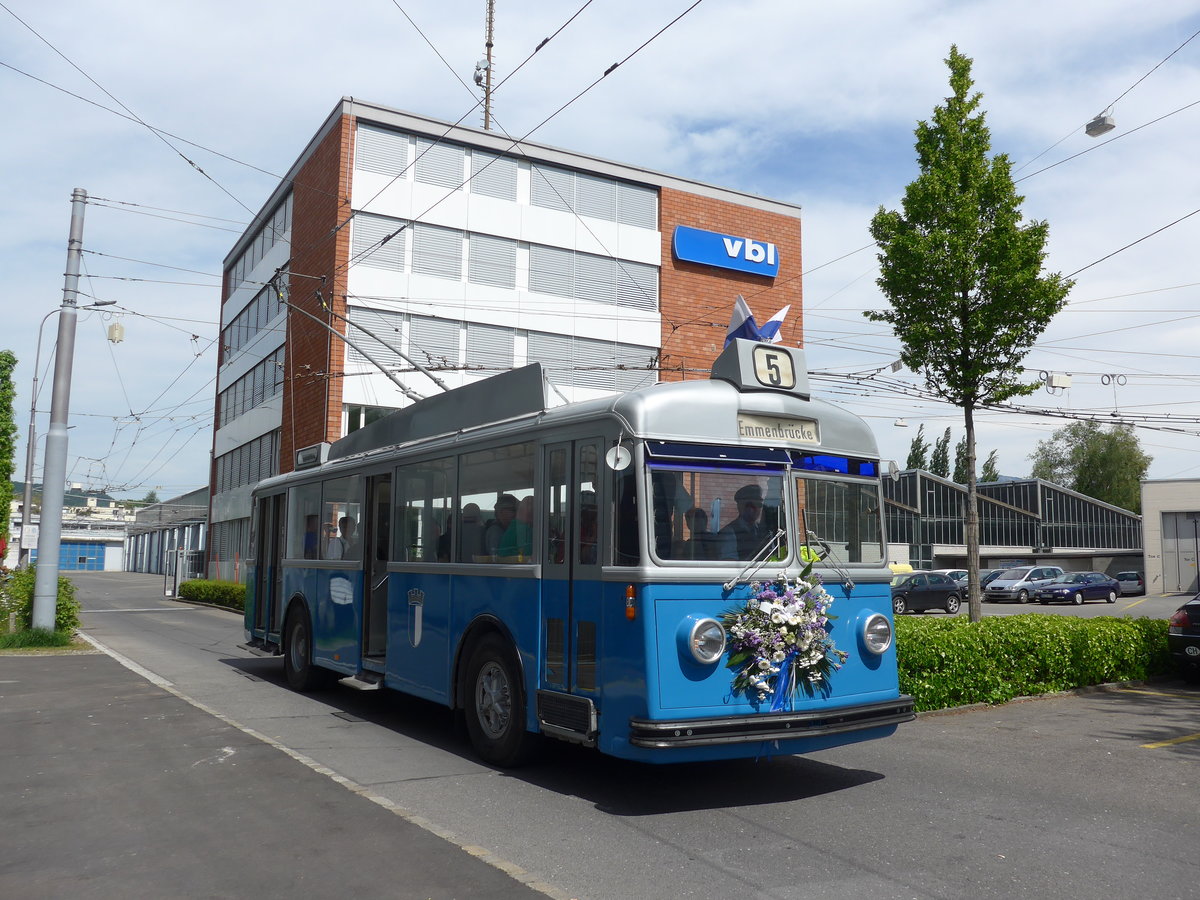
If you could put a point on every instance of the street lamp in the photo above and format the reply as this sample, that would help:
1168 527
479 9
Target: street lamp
27 499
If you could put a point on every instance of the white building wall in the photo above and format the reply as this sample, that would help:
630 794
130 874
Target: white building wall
400 196
1159 499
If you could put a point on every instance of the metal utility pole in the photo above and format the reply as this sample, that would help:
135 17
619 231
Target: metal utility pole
487 75
54 469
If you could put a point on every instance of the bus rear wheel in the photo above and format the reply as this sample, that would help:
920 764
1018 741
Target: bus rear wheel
298 667
496 705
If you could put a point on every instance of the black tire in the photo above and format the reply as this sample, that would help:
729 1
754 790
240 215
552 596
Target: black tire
1023 597
495 707
899 606
1112 597
1077 599
952 604
298 666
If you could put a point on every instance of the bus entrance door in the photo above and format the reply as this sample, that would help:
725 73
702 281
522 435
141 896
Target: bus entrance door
377 542
571 591
268 581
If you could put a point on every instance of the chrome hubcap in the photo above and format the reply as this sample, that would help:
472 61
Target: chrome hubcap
493 699
299 649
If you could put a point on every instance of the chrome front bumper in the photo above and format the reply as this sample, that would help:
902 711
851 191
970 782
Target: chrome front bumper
769 726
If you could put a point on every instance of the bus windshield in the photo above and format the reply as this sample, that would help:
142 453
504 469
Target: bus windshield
844 515
724 513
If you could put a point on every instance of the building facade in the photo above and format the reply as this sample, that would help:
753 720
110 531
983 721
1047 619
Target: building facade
93 529
169 537
402 255
1171 508
1021 522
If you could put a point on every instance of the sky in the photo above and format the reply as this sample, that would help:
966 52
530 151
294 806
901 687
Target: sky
810 103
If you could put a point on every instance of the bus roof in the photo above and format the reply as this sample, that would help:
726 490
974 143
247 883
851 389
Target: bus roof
730 408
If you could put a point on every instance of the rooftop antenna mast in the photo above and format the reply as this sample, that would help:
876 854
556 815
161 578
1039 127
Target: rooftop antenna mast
483 68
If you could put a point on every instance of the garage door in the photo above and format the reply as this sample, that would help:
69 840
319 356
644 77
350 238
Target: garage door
1180 551
79 555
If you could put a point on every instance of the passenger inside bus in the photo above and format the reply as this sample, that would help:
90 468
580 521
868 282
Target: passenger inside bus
344 545
312 537
471 530
517 541
745 535
702 543
505 511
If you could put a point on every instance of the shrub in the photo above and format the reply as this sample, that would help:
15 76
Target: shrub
950 662
17 596
31 639
218 593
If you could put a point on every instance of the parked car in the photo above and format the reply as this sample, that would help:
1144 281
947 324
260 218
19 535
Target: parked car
1131 582
987 576
958 576
1075 587
920 591
1019 582
1183 638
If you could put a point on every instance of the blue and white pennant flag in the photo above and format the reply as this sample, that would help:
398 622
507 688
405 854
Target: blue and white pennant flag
742 324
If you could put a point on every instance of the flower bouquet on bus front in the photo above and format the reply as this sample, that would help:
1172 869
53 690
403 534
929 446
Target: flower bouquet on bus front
779 642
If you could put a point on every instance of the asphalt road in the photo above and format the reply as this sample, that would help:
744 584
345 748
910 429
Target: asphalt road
1091 795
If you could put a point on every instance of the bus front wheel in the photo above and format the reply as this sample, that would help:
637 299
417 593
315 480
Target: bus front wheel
298 667
496 705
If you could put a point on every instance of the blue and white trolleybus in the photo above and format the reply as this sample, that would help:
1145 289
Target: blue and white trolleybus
571 570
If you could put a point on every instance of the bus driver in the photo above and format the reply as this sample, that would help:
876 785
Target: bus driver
745 535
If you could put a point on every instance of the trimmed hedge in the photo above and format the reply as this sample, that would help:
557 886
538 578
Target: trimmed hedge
218 593
952 662
16 595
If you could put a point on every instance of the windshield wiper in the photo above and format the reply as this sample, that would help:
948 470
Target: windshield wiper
756 563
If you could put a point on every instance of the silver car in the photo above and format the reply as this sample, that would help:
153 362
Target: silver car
1131 582
1019 583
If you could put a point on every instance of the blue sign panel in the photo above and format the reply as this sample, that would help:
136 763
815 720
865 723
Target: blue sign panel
726 251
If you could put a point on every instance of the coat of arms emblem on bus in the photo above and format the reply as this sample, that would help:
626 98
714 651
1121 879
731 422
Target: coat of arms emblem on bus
416 609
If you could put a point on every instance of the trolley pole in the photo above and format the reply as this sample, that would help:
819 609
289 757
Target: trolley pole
45 591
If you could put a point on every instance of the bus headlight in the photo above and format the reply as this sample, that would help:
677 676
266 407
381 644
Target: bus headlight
877 633
705 640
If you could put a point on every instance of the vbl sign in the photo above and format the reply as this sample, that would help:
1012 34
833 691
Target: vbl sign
725 251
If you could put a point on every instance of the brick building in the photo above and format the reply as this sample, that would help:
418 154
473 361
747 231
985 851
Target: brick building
445 254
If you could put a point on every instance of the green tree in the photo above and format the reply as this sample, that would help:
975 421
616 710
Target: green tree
1105 463
960 461
939 462
8 435
151 497
918 451
991 468
963 274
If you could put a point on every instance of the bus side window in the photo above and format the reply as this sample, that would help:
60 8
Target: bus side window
341 513
500 482
304 522
424 501
625 519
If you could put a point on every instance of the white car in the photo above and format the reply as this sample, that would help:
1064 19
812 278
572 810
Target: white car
1019 583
